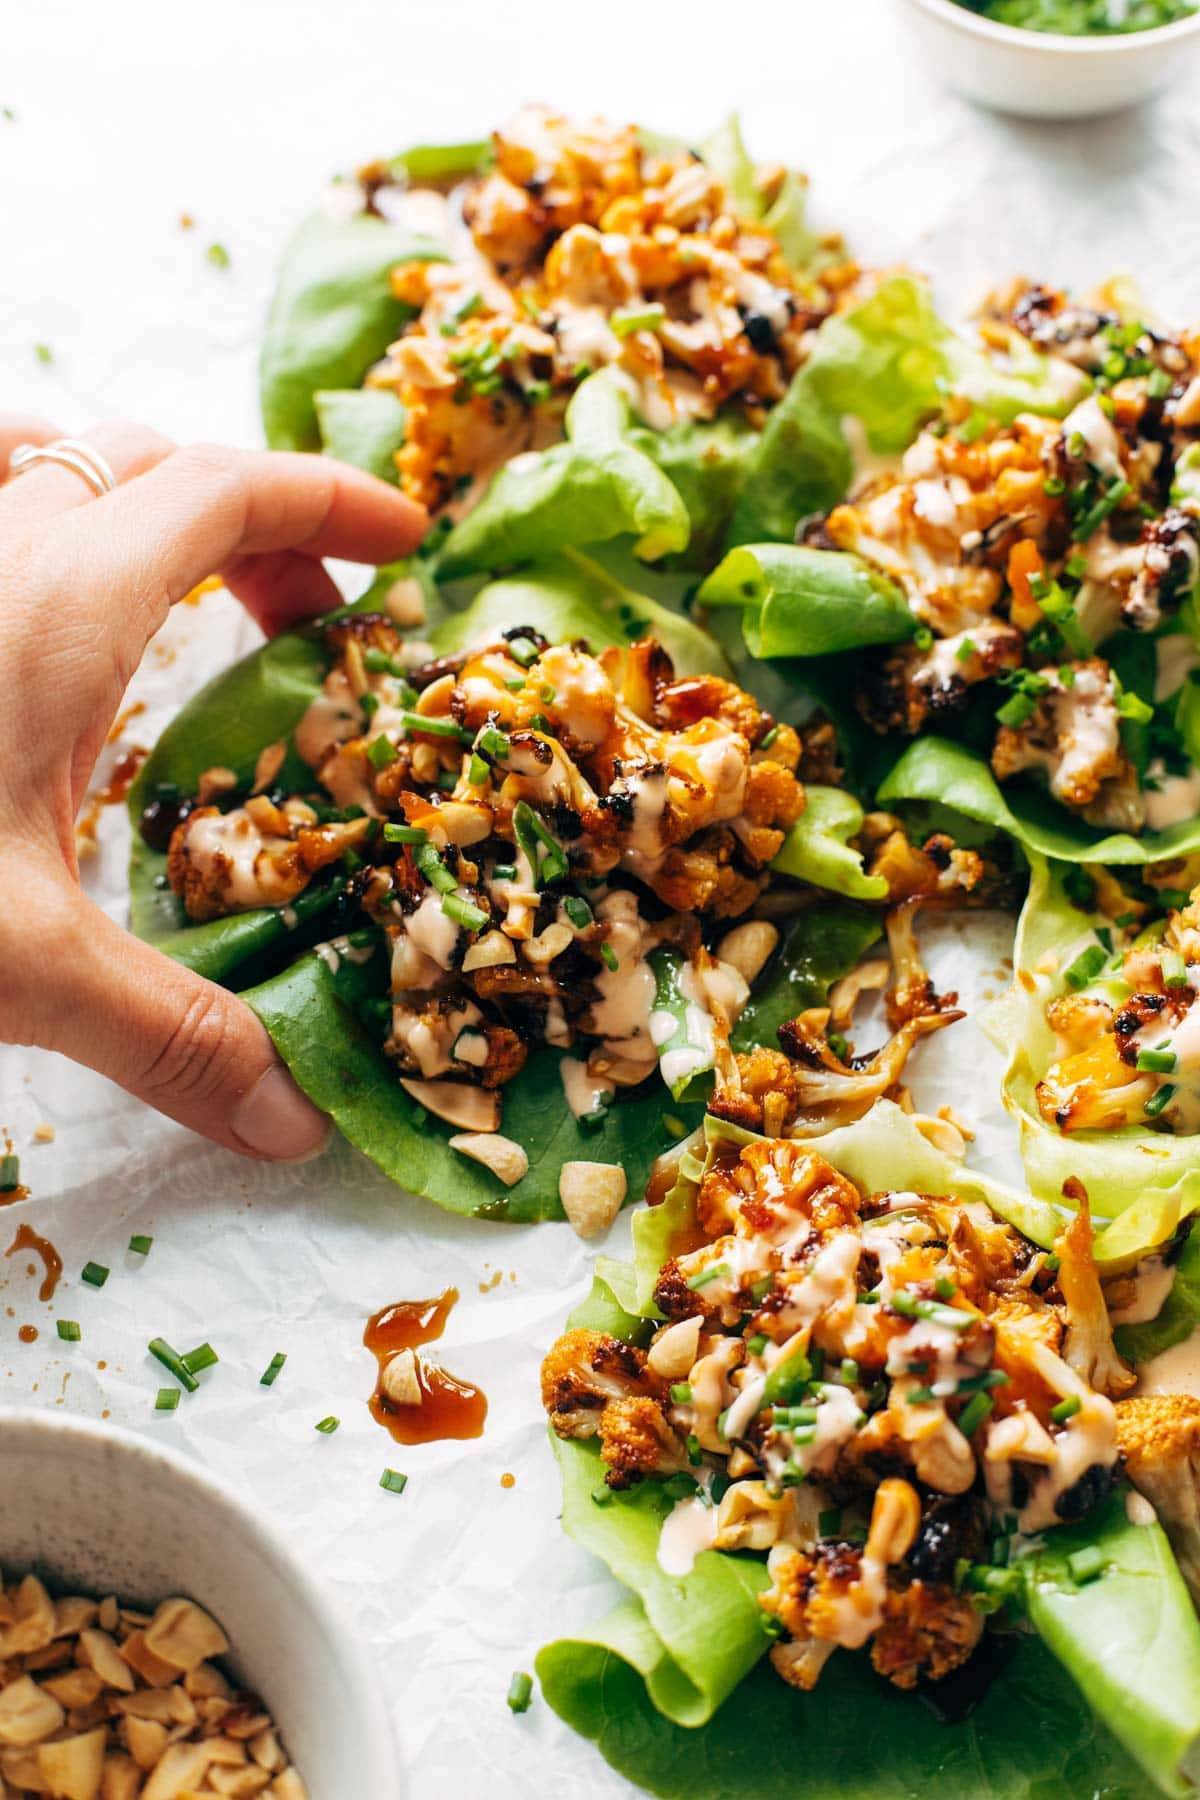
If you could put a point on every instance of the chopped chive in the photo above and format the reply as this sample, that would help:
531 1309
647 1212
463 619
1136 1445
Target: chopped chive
464 912
1159 1102
920 1396
140 1245
1086 967
871 1299
1158 384
1156 1062
789 1416
965 651
534 836
173 1363
429 862
1053 1263
270 1374
44 353
578 911
68 1331
721 1421
838 1045
757 1344
944 1288
202 1357
1174 969
675 1126
381 752
787 1380
94 1273
369 704
504 872
10 1173
1054 485
477 770
911 1306
693 1449
1066 1409
973 1384
761 1288
628 319
393 1481
520 1692
523 650
218 256
1017 710
702 1277
602 1496
1084 1565
849 1371
764 743
492 741
448 728
609 957
166 1400
592 1121
829 1523
923 638
1096 514
404 834
328 1425
974 1413
681 1393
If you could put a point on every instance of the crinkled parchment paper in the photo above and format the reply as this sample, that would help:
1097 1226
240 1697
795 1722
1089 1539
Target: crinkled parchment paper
126 117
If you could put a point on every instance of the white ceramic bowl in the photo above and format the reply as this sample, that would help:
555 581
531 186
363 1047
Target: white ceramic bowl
101 1511
1043 76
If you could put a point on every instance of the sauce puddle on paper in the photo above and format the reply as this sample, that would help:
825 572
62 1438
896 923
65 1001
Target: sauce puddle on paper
28 1239
449 1408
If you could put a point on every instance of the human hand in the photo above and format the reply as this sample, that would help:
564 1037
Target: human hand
84 584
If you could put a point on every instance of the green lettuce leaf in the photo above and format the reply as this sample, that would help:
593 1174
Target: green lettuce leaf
939 773
705 461
724 150
312 1015
569 597
595 485
816 948
1129 1638
801 602
884 365
363 426
1178 1318
441 162
817 849
332 316
1145 1182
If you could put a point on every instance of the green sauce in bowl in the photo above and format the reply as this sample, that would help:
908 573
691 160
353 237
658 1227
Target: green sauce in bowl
1083 18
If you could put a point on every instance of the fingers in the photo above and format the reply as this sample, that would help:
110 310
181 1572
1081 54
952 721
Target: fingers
177 1042
281 587
22 428
47 488
206 507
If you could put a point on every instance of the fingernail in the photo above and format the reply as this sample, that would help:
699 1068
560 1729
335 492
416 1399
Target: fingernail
275 1119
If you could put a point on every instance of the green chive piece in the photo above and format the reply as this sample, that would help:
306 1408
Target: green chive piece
522 649
829 1523
675 1126
1174 969
10 1173
681 1393
369 703
1017 711
464 912
628 319
429 862
166 1400
693 1449
920 1396
477 770
95 1274
533 835
520 1692
1066 1409
1084 1565
140 1245
381 752
757 1344
764 743
602 1496
1086 967
1158 384
68 1331
202 1357
965 651
270 1374
1158 1103
849 1371
1096 514
761 1288
609 957
448 728
173 1363
328 1425
218 256
492 741
974 1413
404 834
787 1380
944 1288
702 1277
1054 485
911 1306
393 1481
504 872
44 353
1156 1062
578 912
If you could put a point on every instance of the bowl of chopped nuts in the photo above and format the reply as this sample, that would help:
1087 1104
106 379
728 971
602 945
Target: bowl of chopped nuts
156 1637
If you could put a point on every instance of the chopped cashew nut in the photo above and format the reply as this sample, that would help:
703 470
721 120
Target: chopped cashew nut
401 1381
499 1154
592 1195
748 946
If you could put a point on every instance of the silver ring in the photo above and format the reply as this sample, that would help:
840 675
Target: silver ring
68 453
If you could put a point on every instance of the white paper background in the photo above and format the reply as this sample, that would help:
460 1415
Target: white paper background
127 115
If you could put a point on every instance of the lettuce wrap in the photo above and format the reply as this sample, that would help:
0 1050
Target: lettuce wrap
1145 1182
1094 1686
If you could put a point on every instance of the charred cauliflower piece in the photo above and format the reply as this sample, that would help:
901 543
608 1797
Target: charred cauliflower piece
594 1385
1159 1437
636 1441
1073 737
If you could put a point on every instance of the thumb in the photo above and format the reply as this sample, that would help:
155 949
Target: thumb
176 1041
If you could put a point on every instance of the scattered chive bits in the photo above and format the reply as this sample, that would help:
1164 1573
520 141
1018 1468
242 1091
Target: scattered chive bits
609 957
95 1274
166 1400
1066 1409
393 1481
140 1245
218 256
10 1173
202 1357
270 1374
328 1425
68 1330
173 1363
1084 1565
44 354
520 1692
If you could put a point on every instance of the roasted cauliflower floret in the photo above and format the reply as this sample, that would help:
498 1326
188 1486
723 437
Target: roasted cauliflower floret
928 1631
587 1371
1088 1346
253 855
1073 736
636 1441
1159 1437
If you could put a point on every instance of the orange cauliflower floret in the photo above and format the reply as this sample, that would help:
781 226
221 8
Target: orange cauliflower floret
636 1440
928 1630
1159 1437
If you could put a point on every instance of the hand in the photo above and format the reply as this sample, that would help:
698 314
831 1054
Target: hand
84 583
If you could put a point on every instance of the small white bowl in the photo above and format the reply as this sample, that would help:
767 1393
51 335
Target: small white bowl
99 1511
1041 75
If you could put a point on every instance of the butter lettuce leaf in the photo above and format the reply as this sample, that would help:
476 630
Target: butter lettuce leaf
1143 1183
332 316
801 602
817 847
595 485
363 426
